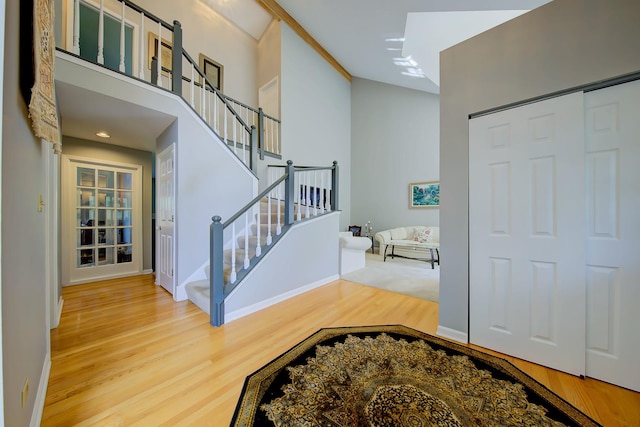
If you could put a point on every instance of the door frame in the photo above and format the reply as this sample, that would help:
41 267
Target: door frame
168 151
66 205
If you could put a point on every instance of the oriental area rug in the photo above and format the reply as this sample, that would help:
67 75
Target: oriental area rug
391 376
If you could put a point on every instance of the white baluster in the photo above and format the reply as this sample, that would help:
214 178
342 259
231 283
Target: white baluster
316 193
269 238
329 190
203 99
279 148
101 34
226 137
308 194
279 192
298 195
76 27
141 48
235 133
159 55
244 143
215 112
246 240
122 67
192 86
232 277
258 247
323 192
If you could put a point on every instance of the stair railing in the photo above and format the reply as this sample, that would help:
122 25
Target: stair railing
245 130
297 193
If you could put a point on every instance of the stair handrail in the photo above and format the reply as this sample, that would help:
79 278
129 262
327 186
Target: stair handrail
218 290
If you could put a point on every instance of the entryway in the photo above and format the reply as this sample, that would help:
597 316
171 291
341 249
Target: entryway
101 220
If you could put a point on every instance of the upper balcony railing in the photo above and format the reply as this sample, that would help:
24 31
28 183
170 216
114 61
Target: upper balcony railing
113 34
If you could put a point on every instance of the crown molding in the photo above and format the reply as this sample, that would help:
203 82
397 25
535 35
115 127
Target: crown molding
279 13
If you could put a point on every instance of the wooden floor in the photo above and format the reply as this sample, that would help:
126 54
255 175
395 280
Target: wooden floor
126 354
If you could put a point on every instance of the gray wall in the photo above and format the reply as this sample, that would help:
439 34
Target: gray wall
563 44
316 113
394 142
114 153
24 323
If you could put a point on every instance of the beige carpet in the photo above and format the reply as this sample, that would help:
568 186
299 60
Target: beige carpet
405 276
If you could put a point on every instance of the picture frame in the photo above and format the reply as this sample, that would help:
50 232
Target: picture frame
165 53
213 70
424 194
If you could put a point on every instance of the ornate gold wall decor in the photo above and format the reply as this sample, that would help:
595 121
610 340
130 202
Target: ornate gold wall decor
42 108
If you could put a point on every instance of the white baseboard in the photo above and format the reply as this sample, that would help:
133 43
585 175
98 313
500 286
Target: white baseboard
279 298
452 334
181 293
38 406
147 271
58 312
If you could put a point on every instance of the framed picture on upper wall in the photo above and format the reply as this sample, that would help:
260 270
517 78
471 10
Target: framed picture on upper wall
165 53
213 70
424 194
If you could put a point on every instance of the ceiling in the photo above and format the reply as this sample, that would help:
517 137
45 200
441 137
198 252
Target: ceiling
373 39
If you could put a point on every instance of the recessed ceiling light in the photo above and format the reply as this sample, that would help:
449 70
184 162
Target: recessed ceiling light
103 134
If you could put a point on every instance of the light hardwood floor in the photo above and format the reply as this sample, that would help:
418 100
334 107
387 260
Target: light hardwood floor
125 354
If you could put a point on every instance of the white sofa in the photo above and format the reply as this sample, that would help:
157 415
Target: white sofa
352 249
415 241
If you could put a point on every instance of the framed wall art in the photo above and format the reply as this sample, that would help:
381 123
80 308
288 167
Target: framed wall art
213 70
424 194
165 52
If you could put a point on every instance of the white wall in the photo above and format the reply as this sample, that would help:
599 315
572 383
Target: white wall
560 45
25 332
394 142
316 113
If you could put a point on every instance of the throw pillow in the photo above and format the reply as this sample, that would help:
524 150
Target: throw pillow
422 236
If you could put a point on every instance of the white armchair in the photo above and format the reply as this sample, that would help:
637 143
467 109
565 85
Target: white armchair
352 251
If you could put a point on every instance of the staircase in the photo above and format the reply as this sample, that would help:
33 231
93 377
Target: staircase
199 292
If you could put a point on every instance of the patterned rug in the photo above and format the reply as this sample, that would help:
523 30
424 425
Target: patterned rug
395 376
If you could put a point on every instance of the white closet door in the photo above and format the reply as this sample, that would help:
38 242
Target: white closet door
612 132
165 218
526 232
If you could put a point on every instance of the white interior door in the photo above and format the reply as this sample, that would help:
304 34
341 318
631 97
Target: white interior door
165 217
526 232
612 132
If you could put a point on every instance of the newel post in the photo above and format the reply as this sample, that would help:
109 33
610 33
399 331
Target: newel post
261 132
289 192
216 278
334 186
154 70
176 59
